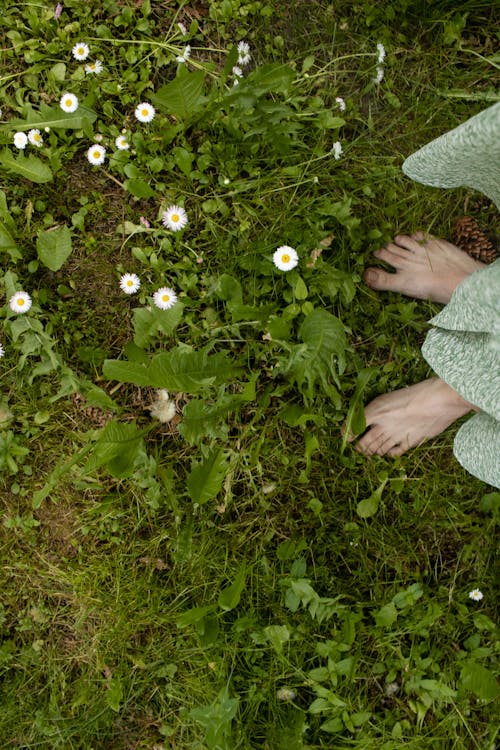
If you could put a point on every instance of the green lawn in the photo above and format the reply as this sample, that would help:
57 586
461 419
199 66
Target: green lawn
235 576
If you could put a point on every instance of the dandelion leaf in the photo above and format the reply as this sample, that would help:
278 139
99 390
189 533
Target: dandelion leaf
148 323
230 597
7 229
206 478
322 356
29 167
478 680
54 247
183 97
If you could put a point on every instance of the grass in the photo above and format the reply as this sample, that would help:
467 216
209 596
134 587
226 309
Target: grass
211 583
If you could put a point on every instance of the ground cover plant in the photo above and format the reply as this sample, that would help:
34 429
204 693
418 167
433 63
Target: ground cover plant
192 556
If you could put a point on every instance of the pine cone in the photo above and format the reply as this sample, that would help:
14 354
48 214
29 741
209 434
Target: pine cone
468 236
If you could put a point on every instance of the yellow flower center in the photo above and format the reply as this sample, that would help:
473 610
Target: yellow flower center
20 301
69 102
97 154
144 112
175 217
165 298
130 282
36 136
285 258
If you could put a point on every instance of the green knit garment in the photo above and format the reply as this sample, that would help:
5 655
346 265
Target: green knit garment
463 346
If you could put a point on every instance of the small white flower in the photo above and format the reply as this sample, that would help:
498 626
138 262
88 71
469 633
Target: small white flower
80 51
68 103
237 72
2 351
243 53
163 408
476 595
182 29
130 283
175 218
381 53
144 112
341 103
20 302
285 258
1 113
164 298
20 140
35 138
121 143
95 67
185 55
380 74
336 150
96 154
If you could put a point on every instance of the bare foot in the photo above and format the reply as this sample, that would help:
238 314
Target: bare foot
426 267
403 419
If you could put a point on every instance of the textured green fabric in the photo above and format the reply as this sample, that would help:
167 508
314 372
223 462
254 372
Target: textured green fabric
468 155
463 347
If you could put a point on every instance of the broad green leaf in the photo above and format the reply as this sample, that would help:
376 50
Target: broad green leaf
190 371
29 167
148 323
55 118
139 188
7 230
355 422
479 681
127 372
114 693
117 446
206 478
273 77
7 242
229 289
368 507
193 616
277 635
183 97
230 597
54 247
386 616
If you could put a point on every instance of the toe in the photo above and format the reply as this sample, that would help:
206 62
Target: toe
392 254
378 279
372 441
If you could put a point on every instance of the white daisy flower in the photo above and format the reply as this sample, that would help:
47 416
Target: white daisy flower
243 53
20 302
80 51
175 218
144 112
130 283
185 55
285 258
182 29
380 74
94 67
121 143
476 595
381 53
2 351
1 114
341 103
237 71
336 149
96 154
20 140
68 103
164 298
35 138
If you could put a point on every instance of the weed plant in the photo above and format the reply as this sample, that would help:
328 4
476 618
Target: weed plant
192 557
